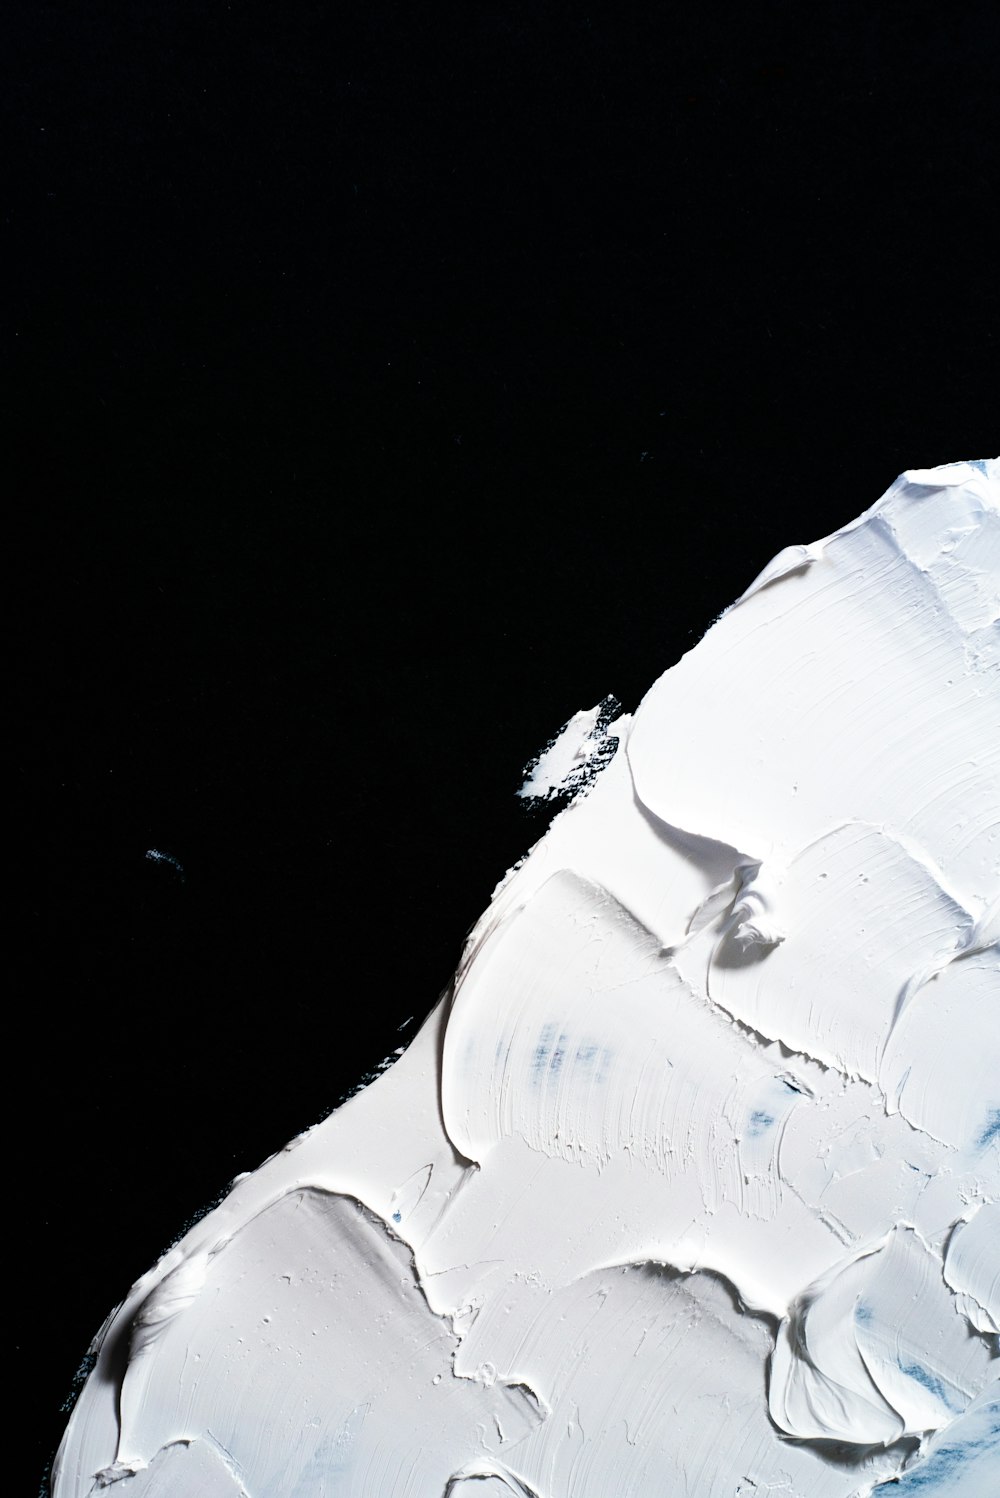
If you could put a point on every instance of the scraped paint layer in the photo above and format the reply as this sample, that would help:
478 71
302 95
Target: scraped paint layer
691 1181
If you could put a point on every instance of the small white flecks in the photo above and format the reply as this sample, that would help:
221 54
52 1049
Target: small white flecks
569 764
167 860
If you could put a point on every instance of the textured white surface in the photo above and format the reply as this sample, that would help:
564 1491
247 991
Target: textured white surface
688 1185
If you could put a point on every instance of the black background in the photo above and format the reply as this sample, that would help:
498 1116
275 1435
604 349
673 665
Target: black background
391 381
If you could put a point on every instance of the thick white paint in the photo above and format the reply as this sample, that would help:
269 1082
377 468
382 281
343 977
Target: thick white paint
689 1184
579 751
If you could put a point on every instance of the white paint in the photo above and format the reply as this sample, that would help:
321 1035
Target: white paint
570 763
689 1184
